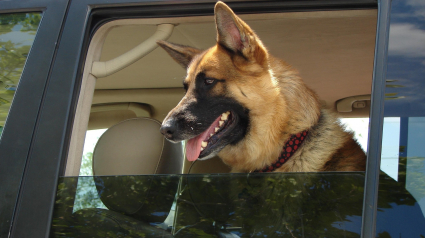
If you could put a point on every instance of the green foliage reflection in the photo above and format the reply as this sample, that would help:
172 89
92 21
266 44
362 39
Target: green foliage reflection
224 205
17 32
272 205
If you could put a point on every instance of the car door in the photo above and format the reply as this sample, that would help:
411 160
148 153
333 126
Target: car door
52 135
29 35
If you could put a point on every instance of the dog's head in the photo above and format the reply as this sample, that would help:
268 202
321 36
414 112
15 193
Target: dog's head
224 85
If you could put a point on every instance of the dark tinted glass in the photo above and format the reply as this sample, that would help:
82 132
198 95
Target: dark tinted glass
213 205
403 150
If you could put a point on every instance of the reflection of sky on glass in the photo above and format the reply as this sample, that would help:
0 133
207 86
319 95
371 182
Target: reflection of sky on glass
407 40
407 30
390 141
405 79
415 159
18 38
400 221
390 146
406 60
405 97
405 89
416 134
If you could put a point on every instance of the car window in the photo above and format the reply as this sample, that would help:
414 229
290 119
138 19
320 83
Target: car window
157 90
102 200
214 205
403 151
17 33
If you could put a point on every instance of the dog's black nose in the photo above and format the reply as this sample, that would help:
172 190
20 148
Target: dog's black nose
168 128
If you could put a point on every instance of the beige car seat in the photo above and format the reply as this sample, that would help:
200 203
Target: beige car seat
135 147
123 156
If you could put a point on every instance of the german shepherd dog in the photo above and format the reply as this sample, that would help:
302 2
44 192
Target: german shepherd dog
253 110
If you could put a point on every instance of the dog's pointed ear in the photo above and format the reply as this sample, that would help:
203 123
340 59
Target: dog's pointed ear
234 34
228 29
180 53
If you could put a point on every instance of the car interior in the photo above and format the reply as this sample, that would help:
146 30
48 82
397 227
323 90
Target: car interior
332 50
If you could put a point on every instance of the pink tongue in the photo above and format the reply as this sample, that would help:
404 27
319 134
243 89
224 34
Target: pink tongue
193 146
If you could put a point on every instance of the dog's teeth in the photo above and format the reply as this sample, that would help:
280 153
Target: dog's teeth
204 144
211 134
216 129
202 149
224 116
220 123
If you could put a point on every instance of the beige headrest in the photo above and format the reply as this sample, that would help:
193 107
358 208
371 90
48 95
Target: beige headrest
131 147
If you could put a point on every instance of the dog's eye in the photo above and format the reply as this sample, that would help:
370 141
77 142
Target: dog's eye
209 81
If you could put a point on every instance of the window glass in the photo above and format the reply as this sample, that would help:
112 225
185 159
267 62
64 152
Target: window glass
214 205
403 150
17 33
390 146
86 194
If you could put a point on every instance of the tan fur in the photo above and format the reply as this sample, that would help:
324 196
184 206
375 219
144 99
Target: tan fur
279 104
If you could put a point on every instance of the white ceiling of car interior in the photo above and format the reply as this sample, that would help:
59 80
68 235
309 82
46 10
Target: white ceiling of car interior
332 50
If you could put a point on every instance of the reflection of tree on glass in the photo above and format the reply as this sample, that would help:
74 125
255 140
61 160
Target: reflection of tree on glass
246 205
17 33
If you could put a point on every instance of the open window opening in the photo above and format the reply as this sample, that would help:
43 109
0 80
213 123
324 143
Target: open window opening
332 50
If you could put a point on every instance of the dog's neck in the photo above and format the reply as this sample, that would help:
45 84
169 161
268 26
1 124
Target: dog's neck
290 147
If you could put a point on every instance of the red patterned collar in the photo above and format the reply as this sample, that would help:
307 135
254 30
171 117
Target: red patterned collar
288 150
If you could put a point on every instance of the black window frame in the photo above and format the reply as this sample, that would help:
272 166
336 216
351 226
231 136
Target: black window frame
18 132
50 141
